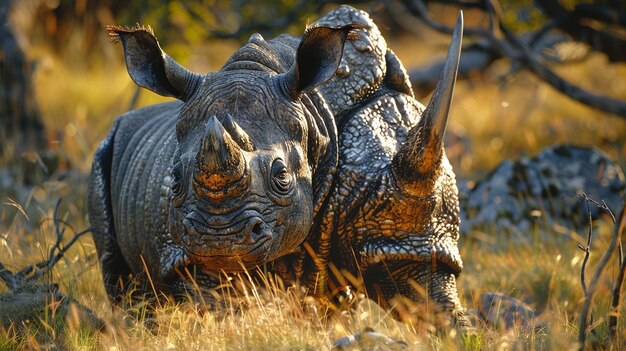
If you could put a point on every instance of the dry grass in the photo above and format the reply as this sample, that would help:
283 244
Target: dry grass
546 276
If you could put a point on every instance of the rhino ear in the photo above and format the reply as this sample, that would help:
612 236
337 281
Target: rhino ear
317 58
149 66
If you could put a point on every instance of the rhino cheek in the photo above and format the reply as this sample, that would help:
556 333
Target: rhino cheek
175 223
294 233
296 220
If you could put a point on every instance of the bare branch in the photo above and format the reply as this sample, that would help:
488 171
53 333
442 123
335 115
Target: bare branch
57 251
59 232
474 59
583 267
619 282
582 330
521 53
500 46
601 102
47 266
575 22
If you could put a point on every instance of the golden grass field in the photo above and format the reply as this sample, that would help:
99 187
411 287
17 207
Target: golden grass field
80 102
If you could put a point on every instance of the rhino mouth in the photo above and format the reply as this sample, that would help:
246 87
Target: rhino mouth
223 240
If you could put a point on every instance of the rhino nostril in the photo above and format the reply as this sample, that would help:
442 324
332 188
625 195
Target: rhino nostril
257 231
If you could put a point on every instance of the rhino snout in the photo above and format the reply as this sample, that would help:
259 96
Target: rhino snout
241 236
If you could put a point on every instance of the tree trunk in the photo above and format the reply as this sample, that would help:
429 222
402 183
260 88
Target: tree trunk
20 119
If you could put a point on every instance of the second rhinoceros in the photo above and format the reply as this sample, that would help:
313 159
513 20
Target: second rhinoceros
308 156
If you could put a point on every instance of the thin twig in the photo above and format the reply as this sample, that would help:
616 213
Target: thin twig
582 331
57 230
617 289
57 251
587 250
53 260
41 265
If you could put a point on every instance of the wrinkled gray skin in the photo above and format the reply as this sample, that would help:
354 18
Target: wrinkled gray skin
256 166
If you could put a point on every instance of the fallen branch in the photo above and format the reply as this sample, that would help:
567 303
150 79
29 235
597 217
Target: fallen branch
28 298
32 273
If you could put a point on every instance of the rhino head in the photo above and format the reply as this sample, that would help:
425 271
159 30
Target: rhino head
249 142
412 220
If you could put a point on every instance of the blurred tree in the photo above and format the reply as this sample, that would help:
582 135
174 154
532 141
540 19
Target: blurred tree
20 120
532 35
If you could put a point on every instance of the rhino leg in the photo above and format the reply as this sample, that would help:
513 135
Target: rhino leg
115 270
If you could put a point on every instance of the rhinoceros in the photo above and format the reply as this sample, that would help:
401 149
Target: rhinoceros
307 156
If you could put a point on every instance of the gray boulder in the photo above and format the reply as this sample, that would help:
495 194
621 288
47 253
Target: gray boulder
544 189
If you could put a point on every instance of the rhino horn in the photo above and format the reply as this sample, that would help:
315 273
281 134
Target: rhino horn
417 163
220 159
237 133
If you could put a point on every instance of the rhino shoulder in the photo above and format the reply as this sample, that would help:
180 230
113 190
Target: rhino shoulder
130 123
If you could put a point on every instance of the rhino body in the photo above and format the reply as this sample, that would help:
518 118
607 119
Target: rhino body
305 155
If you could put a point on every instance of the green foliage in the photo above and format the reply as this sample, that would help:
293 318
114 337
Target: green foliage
10 342
522 15
196 21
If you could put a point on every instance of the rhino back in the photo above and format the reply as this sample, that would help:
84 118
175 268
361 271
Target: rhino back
376 130
363 65
144 145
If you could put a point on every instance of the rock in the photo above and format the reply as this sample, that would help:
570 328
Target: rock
519 193
368 339
506 312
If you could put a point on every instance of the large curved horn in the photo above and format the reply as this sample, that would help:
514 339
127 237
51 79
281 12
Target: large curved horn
220 160
417 162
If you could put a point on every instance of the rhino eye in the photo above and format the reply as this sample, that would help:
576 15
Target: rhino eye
177 184
280 177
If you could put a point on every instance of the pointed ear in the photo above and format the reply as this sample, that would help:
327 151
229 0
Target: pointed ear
149 66
317 58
